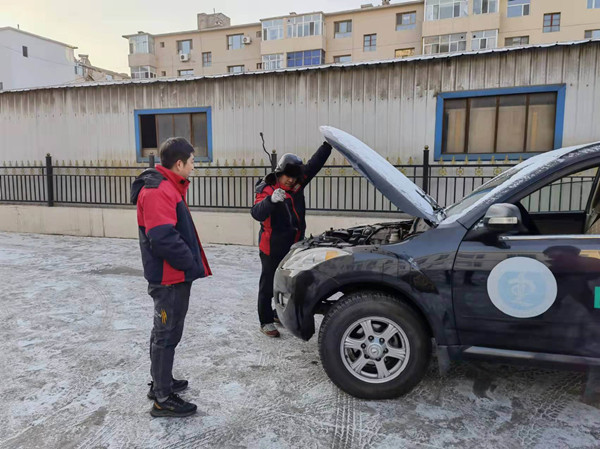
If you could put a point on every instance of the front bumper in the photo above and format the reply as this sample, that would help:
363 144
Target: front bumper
296 298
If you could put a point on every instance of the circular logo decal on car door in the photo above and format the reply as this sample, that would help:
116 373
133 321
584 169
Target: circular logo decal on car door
522 287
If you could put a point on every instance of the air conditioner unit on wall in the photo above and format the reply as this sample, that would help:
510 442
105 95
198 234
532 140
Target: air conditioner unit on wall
246 40
183 57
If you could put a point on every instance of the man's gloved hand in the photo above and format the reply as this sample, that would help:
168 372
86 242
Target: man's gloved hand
278 196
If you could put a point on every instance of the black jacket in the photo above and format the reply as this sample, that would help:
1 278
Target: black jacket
283 224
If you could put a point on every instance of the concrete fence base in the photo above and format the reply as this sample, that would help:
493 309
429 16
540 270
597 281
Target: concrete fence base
224 227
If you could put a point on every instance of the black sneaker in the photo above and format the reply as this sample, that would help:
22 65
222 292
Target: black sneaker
173 406
178 385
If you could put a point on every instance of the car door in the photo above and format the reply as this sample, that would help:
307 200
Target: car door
529 292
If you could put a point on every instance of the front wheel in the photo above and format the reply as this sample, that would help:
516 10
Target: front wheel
373 346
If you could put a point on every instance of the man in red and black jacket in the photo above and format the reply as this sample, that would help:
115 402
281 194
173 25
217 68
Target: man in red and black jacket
173 258
279 206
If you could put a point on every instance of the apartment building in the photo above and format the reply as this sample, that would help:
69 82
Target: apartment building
28 60
368 33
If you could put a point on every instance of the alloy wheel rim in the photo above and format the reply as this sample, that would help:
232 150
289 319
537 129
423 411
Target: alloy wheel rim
375 349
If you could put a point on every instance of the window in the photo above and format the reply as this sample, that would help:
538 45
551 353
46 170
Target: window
234 41
184 47
272 62
162 45
370 42
186 72
342 29
25 51
505 123
302 26
551 22
444 44
1 86
144 71
445 9
518 40
155 126
206 59
305 58
404 52
592 34
406 21
142 43
163 73
235 68
518 8
79 70
341 59
272 29
593 4
485 6
483 40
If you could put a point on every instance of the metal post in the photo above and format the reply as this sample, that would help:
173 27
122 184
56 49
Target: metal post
426 169
273 160
151 160
49 180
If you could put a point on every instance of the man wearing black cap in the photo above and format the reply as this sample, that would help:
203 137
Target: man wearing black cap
279 206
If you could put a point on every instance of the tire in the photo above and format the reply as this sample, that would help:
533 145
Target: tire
380 370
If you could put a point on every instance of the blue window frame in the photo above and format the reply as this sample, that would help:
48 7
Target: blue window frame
154 126
513 122
305 58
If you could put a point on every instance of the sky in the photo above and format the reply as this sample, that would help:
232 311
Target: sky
97 27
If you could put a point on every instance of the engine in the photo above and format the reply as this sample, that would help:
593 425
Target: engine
376 234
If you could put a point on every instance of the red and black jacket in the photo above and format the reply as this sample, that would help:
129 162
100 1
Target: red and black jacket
171 250
283 224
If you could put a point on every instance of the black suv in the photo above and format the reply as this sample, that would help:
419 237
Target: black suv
490 276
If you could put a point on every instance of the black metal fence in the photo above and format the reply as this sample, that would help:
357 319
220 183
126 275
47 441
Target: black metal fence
335 188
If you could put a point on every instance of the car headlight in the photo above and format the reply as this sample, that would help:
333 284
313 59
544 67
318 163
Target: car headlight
307 259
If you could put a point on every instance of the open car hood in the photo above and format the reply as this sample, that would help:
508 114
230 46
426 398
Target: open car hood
396 187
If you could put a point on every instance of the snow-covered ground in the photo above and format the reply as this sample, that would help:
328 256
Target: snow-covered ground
75 324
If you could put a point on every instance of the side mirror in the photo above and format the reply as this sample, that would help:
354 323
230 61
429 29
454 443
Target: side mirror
503 217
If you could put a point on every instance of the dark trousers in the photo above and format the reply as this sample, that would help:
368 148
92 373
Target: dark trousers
265 287
170 308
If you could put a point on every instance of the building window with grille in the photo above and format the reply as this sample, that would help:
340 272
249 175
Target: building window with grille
445 9
370 42
483 40
485 6
592 34
302 26
593 4
142 43
206 59
143 72
154 126
235 41
186 72
342 29
235 69
272 30
404 52
272 62
184 47
516 41
342 59
447 43
406 21
305 58
522 120
552 22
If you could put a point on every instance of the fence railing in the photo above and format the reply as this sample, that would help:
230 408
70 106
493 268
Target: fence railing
337 187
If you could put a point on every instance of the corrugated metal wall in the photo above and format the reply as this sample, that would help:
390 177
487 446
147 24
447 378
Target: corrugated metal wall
390 106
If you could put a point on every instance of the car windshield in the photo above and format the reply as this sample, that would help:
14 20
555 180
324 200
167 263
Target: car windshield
460 206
